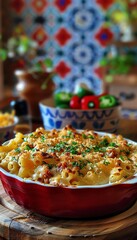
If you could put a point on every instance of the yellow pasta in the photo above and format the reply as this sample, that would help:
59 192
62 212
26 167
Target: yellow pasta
69 157
6 118
13 167
25 173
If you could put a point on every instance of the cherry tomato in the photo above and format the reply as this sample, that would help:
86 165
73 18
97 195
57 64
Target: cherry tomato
75 102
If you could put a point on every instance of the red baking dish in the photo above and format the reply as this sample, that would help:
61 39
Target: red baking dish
70 202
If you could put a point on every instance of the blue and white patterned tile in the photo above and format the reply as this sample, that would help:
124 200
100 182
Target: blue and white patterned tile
81 51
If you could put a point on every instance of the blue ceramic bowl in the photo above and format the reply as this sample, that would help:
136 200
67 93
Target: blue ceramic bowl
105 120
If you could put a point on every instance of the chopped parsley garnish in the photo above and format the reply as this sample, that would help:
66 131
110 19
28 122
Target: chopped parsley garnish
106 162
14 159
122 158
31 135
43 138
104 143
75 164
72 149
58 147
101 147
70 134
87 136
113 144
88 149
50 166
97 148
79 164
62 146
83 154
17 150
34 149
84 136
74 143
28 148
125 151
91 136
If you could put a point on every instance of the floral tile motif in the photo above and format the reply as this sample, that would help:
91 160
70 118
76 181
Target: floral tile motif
39 5
84 19
104 36
17 5
63 69
105 4
62 5
63 36
71 32
40 36
84 54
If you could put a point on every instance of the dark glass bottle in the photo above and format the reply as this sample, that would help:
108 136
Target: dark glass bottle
21 111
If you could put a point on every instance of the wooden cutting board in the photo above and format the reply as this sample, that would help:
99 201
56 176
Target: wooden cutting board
17 223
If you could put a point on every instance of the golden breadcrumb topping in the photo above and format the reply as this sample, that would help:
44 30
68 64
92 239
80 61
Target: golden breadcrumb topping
69 157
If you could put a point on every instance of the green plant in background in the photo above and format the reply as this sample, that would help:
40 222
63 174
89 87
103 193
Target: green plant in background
22 47
3 51
117 65
18 46
46 65
123 16
126 11
121 60
23 50
130 8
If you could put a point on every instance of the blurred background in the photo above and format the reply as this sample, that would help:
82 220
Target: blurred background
91 42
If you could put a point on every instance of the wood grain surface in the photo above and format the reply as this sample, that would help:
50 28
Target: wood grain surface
17 223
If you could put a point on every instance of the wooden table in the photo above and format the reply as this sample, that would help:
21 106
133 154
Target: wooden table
128 128
17 223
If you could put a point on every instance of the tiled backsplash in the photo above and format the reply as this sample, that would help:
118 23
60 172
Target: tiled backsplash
72 32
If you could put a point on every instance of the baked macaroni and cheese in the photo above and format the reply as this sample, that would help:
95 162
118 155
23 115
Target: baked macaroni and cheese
69 157
6 119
